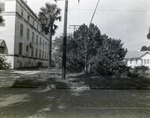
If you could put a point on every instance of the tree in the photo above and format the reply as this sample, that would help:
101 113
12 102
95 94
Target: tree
109 58
148 35
148 48
87 47
47 17
144 48
1 19
88 40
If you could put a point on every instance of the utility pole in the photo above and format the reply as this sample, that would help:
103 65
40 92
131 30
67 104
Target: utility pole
64 41
74 27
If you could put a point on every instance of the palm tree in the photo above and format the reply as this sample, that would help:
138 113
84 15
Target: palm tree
47 17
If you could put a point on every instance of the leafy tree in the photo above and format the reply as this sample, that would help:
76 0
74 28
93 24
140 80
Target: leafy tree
88 40
148 35
1 19
47 17
148 48
144 48
57 51
87 47
109 58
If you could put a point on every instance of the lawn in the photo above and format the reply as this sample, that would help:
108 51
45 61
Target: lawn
80 79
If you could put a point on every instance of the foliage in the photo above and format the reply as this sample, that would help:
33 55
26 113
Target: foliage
109 59
1 19
47 17
139 71
88 40
3 63
87 48
144 48
142 68
148 35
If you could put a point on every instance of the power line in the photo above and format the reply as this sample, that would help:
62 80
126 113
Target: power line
112 10
94 11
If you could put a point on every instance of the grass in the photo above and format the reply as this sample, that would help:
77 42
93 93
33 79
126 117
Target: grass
107 82
39 82
93 82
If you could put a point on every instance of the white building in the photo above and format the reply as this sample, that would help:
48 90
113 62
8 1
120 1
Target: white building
20 38
138 58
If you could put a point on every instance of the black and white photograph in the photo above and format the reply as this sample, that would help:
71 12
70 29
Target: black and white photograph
74 58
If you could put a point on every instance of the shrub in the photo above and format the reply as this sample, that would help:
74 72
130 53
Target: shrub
139 71
3 63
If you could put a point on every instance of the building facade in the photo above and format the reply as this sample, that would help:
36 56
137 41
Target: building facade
138 58
21 41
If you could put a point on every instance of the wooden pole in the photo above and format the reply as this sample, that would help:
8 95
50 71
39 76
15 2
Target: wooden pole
64 41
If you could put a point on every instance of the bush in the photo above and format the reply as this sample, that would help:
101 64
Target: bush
3 63
139 71
30 82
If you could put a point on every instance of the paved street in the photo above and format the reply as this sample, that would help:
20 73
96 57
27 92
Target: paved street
46 103
78 103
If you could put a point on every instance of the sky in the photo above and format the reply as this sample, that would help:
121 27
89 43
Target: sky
127 20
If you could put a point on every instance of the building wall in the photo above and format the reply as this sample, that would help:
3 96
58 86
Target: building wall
144 60
23 50
134 62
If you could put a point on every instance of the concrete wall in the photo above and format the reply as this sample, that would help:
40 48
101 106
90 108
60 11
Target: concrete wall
17 12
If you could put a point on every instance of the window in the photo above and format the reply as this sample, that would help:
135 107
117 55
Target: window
2 6
28 33
45 55
27 48
20 48
36 53
37 39
43 43
32 52
21 29
1 50
147 61
130 61
22 10
40 54
28 18
40 41
33 22
32 36
144 61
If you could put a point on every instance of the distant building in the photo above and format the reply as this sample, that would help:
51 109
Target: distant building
138 58
20 38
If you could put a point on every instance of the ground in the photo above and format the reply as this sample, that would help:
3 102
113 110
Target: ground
69 103
39 103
